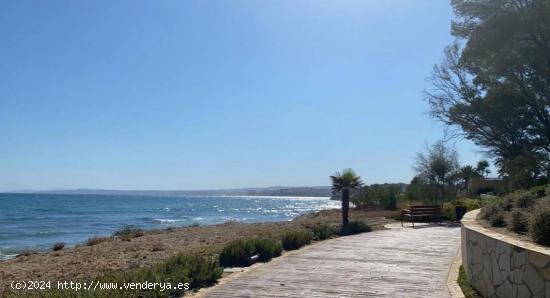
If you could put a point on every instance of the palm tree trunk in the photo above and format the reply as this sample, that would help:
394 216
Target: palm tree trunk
345 207
443 192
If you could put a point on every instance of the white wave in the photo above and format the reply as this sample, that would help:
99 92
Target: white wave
165 221
7 256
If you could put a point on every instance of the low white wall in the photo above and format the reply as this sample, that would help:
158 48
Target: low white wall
503 266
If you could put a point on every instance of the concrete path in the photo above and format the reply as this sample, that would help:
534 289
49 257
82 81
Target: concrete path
391 263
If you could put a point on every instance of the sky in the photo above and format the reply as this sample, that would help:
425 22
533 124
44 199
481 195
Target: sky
171 95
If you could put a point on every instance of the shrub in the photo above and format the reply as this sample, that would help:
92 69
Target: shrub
58 246
471 204
497 219
356 227
491 208
449 211
267 249
294 239
198 271
193 269
237 253
539 191
323 231
95 240
522 199
518 221
540 226
128 232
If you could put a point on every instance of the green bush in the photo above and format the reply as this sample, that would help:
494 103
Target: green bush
522 199
267 249
497 219
294 239
237 253
448 211
539 191
522 211
128 232
356 227
323 231
492 208
470 204
540 226
518 221
197 271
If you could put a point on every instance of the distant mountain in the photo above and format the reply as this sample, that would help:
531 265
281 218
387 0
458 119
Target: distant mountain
315 191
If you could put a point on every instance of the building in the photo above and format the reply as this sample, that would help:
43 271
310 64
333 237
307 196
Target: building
482 185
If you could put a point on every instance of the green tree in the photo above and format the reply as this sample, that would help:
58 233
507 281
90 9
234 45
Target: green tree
377 196
482 168
438 166
343 183
419 190
466 173
493 86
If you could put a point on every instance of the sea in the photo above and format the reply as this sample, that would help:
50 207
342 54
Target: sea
36 221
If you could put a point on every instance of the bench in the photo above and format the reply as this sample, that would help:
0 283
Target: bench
416 213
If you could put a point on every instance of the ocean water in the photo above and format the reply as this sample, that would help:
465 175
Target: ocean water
36 221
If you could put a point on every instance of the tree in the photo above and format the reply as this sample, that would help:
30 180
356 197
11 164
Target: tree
343 183
377 196
493 86
438 165
419 190
466 173
482 168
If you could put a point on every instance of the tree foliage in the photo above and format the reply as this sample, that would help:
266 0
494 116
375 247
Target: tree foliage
482 168
437 167
377 196
419 190
494 83
343 183
466 173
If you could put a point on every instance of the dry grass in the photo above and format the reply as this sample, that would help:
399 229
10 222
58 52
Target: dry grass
103 255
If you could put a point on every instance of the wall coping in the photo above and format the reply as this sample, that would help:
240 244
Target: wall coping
469 221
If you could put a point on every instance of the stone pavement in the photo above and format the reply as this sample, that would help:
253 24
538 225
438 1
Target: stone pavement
399 262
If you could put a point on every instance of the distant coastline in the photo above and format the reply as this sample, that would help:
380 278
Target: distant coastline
313 191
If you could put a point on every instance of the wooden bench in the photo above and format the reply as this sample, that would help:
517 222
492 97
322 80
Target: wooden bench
416 213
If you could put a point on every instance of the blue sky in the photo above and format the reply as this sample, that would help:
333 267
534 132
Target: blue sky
215 94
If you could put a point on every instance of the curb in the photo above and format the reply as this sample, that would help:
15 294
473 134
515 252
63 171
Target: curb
452 277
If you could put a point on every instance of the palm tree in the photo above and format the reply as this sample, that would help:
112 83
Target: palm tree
466 173
342 183
483 168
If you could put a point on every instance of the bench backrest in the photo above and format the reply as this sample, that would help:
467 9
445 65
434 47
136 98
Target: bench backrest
431 209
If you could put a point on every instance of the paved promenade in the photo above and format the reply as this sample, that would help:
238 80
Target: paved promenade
391 263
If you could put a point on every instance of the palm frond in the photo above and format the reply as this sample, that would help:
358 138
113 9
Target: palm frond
347 179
